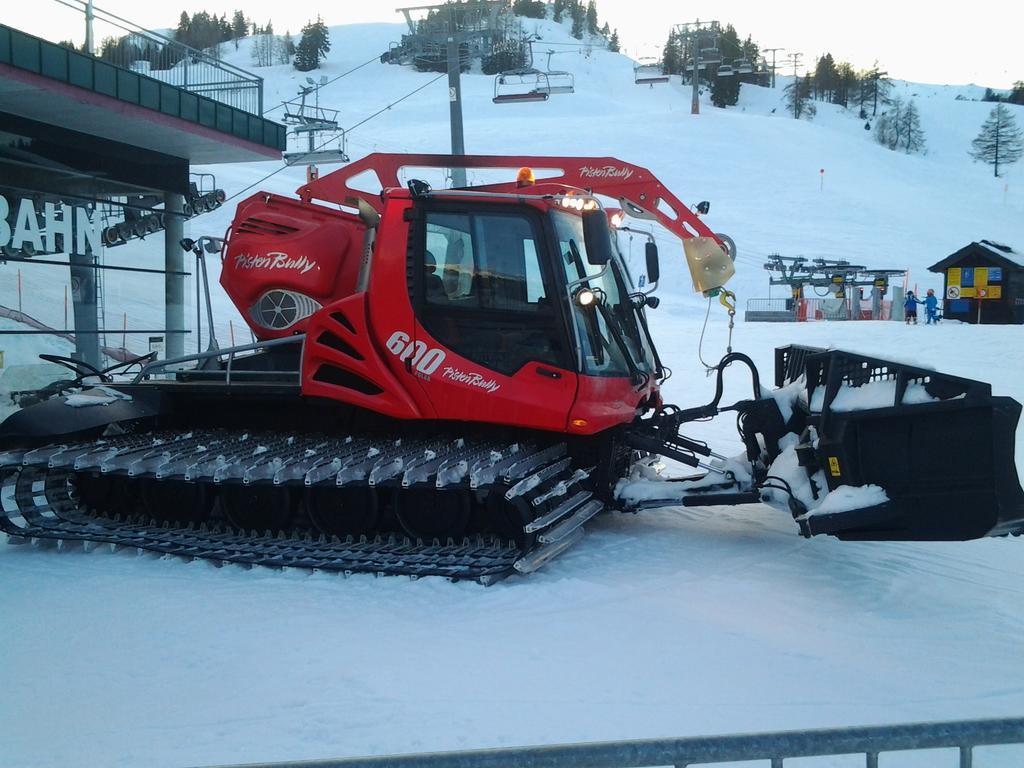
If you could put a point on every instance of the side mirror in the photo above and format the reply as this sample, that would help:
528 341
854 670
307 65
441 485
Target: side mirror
703 207
597 238
653 269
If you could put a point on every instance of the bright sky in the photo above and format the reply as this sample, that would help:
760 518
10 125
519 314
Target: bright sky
912 40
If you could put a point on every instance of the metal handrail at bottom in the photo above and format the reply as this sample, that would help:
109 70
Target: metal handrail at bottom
870 741
230 353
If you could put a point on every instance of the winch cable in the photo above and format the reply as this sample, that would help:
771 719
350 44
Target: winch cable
700 343
728 300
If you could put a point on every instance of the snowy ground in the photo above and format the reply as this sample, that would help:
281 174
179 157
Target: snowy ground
678 622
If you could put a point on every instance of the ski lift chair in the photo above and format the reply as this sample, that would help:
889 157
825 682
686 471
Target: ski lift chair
744 67
559 82
726 70
710 56
648 72
520 85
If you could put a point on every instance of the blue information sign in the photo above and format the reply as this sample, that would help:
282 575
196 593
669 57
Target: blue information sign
995 274
967 277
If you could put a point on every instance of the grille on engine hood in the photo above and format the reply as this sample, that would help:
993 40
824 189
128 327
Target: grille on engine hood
279 309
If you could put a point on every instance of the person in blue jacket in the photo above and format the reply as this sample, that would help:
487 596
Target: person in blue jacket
931 308
910 308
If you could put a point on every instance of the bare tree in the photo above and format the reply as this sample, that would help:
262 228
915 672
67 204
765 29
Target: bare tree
899 127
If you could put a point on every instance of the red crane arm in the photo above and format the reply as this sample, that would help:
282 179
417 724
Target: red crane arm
638 191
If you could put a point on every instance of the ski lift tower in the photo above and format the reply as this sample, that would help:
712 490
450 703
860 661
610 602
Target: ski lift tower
701 39
314 123
454 28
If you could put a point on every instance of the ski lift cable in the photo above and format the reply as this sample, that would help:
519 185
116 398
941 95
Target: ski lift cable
347 131
334 79
398 101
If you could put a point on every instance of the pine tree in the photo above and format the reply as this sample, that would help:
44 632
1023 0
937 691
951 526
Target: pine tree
876 88
1000 140
845 84
181 32
824 78
226 28
1017 93
591 18
798 97
725 89
613 42
752 53
532 9
578 18
672 55
557 10
239 26
313 46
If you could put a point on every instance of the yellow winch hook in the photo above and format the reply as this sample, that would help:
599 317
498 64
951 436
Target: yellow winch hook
728 300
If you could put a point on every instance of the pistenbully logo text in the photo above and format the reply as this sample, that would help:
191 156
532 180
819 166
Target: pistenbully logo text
274 260
605 172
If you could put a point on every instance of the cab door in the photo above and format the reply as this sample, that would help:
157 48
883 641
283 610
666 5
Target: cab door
488 317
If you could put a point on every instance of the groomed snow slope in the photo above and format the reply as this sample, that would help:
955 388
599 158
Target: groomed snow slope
677 622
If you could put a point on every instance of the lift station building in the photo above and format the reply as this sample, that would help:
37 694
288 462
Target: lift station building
92 152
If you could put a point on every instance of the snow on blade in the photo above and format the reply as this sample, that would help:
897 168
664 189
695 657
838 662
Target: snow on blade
846 498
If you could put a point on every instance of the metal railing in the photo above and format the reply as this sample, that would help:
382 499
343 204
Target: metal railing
174 365
124 44
777 747
770 310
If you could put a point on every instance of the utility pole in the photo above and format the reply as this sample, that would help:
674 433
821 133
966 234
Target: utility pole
772 52
455 96
794 59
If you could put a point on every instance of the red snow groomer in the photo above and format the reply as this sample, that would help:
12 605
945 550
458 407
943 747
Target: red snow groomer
455 381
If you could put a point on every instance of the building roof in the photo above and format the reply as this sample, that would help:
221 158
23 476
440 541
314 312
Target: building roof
1002 254
50 83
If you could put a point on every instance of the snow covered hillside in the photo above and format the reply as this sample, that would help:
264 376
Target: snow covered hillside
676 622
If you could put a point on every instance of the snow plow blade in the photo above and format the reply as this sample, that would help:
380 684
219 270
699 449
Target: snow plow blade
940 446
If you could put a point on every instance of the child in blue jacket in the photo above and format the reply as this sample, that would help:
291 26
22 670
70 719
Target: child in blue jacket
910 308
931 307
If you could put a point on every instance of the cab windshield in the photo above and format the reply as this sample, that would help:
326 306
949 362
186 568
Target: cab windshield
605 335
